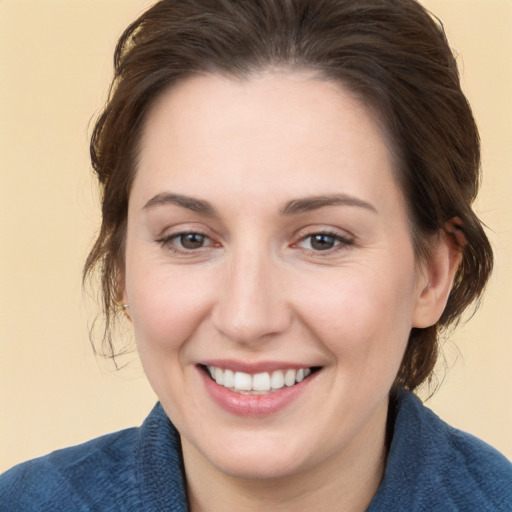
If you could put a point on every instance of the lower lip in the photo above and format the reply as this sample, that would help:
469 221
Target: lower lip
254 405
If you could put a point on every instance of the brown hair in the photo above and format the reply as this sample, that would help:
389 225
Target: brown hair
392 53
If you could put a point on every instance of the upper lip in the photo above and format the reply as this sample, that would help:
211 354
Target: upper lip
255 366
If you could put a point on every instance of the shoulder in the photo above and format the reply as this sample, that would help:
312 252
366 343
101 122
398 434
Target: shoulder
74 478
473 473
128 471
458 452
477 460
433 466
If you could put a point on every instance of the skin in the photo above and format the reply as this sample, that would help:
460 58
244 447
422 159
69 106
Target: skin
257 289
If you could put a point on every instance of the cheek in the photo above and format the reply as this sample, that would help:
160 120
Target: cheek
361 314
166 305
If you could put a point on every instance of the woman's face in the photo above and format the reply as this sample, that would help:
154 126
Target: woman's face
266 234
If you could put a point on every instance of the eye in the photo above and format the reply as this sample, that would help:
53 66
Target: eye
323 242
191 240
183 242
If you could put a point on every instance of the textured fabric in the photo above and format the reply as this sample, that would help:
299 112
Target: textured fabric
431 467
434 467
134 470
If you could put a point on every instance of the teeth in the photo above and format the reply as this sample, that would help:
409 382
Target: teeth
219 376
243 381
260 382
289 377
229 379
277 380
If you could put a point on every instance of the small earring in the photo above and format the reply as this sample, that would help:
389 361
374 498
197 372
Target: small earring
124 309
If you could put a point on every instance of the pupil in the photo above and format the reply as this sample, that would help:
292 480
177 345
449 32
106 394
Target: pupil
192 240
322 242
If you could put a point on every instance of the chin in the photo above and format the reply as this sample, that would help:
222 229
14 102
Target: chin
259 466
262 455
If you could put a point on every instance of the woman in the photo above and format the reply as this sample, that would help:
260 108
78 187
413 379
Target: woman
287 224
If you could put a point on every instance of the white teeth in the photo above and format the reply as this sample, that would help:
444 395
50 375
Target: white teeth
277 380
219 376
261 382
243 381
229 379
258 383
289 377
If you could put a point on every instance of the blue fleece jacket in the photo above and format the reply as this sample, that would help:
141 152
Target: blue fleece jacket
431 467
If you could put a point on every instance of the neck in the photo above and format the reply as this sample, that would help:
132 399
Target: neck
346 481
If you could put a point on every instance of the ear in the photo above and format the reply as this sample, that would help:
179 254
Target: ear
437 274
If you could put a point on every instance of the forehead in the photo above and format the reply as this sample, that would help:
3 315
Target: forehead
278 132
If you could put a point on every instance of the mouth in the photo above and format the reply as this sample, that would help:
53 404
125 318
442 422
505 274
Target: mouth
261 383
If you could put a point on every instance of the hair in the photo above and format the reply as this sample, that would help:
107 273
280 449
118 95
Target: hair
393 54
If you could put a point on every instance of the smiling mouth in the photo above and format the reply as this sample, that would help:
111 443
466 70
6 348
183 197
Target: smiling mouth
258 383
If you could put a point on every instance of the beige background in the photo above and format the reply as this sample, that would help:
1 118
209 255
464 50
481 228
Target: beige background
55 65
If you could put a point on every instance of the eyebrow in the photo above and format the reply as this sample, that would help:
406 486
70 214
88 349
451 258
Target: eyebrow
190 203
293 207
308 204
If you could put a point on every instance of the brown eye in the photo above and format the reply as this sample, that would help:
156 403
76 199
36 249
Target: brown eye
192 240
322 242
186 242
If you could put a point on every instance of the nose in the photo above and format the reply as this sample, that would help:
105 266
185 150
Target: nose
252 305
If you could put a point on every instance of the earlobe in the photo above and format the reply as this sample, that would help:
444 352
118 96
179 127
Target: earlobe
438 275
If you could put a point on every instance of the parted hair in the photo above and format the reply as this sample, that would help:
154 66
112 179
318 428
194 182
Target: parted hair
392 54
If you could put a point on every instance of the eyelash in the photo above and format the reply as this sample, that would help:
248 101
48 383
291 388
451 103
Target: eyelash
340 242
167 242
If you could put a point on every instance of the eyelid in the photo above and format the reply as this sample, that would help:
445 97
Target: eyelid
319 229
169 234
343 240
